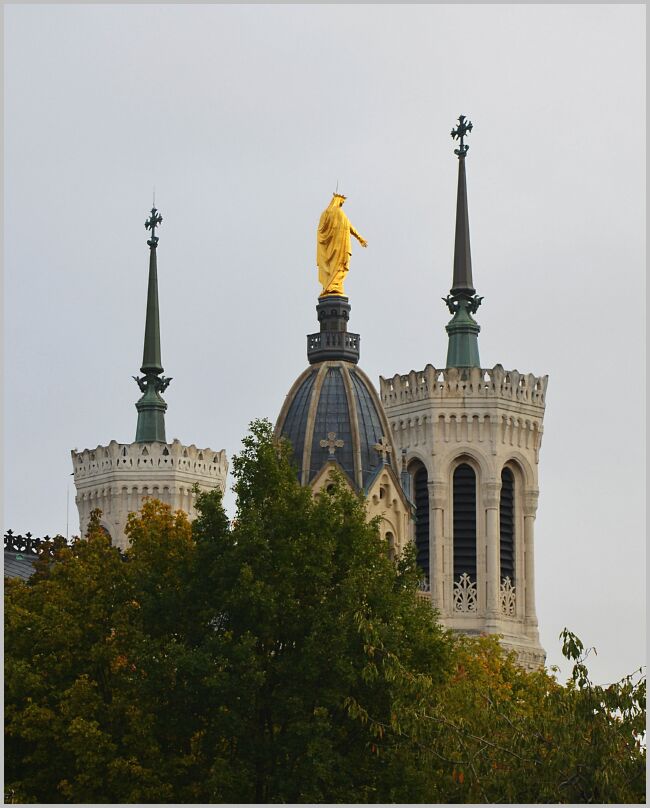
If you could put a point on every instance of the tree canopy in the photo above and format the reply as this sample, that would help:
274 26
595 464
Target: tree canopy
284 658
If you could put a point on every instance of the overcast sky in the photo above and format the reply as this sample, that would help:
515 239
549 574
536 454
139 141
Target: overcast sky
244 118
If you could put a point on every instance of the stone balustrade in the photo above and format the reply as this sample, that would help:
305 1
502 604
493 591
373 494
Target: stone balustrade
27 544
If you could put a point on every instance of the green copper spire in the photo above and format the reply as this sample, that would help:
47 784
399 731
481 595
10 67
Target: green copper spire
151 406
463 329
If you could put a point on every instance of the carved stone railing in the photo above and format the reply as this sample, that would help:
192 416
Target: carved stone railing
27 544
33 546
508 597
153 456
481 383
465 595
333 345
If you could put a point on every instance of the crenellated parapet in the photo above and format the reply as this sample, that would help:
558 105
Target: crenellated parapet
154 456
455 383
117 478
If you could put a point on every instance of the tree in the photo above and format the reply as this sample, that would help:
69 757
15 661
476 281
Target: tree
501 734
284 658
219 663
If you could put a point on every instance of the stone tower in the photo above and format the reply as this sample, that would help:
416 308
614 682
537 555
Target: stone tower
472 437
117 478
333 418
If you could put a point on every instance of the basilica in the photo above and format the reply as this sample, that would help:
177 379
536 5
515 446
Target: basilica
447 458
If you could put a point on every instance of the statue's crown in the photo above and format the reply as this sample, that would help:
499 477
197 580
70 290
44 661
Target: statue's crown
341 196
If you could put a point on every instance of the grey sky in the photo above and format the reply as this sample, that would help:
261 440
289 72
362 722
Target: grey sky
244 118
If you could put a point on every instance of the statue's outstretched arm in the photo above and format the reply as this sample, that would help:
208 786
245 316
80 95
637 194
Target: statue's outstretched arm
358 237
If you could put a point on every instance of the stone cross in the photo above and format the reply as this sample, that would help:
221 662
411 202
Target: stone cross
331 443
383 448
152 222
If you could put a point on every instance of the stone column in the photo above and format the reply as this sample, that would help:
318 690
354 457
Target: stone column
491 496
530 498
437 502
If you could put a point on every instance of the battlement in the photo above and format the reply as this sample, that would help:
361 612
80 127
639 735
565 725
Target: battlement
150 458
455 383
116 479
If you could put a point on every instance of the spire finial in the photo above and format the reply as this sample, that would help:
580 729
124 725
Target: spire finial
151 406
460 132
462 302
152 222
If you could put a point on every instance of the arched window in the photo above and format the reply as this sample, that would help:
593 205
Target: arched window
421 498
464 522
507 525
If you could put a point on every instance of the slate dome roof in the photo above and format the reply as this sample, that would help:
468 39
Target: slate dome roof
335 396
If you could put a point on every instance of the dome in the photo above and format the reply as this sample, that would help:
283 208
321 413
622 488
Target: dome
335 397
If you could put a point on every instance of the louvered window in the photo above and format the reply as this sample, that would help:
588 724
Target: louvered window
421 491
507 525
464 522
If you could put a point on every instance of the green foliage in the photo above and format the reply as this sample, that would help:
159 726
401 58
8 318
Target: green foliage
217 662
284 658
301 584
507 735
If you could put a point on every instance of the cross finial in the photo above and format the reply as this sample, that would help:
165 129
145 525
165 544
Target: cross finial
331 443
384 448
152 222
464 126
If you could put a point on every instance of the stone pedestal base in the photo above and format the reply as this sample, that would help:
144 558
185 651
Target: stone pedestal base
333 340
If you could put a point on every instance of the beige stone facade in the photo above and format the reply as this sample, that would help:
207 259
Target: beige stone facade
489 420
118 477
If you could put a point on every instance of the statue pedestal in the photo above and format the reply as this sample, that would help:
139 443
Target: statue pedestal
333 341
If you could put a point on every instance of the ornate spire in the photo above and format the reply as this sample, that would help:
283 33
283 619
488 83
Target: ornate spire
151 406
462 301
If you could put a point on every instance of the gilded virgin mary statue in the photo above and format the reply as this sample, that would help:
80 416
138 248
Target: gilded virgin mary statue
333 248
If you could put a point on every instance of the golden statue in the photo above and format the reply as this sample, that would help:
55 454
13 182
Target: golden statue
333 249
